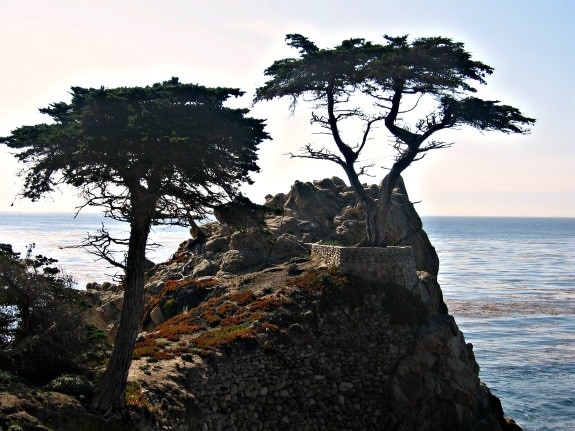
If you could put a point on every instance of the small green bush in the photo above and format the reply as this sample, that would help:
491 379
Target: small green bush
7 378
71 384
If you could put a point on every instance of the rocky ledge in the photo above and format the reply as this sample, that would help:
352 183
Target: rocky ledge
255 333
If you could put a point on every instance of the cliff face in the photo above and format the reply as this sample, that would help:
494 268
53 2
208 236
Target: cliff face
253 334
258 333
365 357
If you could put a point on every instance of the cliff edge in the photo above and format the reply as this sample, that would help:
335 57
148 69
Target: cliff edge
255 331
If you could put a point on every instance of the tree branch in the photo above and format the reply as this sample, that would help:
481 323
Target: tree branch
101 244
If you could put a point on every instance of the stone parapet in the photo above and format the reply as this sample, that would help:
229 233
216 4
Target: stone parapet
386 264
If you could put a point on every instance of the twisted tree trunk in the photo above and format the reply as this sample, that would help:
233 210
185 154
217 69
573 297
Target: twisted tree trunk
109 397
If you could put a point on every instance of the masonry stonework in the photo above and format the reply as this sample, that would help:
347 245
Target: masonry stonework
339 370
383 264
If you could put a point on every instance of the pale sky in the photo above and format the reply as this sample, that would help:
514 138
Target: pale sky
47 47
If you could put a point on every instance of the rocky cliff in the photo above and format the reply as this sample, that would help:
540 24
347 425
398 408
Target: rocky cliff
256 333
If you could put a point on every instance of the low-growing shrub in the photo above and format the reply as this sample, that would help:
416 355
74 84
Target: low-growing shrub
226 309
210 318
267 303
147 347
178 325
222 336
243 298
317 282
135 396
71 384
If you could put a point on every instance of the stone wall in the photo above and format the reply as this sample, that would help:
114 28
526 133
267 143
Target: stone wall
363 358
384 264
344 370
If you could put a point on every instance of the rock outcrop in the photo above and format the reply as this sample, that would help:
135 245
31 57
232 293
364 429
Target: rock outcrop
328 211
249 237
256 334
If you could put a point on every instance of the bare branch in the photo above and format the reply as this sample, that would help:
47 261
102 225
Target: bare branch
100 245
308 152
366 133
363 170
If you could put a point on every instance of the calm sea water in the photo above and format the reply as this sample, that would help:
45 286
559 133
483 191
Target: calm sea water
509 282
54 234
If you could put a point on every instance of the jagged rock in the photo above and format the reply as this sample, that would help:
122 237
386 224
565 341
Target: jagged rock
105 311
328 211
320 205
286 247
204 268
155 287
240 212
157 316
429 292
369 356
439 345
236 261
406 228
218 244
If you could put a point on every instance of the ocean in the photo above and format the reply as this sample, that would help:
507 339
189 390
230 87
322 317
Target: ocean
56 235
509 282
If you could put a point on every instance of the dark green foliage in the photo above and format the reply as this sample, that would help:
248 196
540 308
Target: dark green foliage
146 155
71 384
42 330
178 141
29 290
359 82
8 379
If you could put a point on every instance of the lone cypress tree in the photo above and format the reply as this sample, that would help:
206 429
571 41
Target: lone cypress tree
395 78
146 155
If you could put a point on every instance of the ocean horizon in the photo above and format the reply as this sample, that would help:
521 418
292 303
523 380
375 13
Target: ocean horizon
508 281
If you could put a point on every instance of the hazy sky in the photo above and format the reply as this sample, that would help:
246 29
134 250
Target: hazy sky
48 46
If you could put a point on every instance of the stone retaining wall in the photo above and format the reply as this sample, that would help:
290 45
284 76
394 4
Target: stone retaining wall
335 377
340 371
387 264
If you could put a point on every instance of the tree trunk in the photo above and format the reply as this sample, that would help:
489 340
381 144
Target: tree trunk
109 397
371 223
384 206
377 214
369 206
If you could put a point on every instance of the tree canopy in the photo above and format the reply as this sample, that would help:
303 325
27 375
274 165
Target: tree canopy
155 154
415 88
176 143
